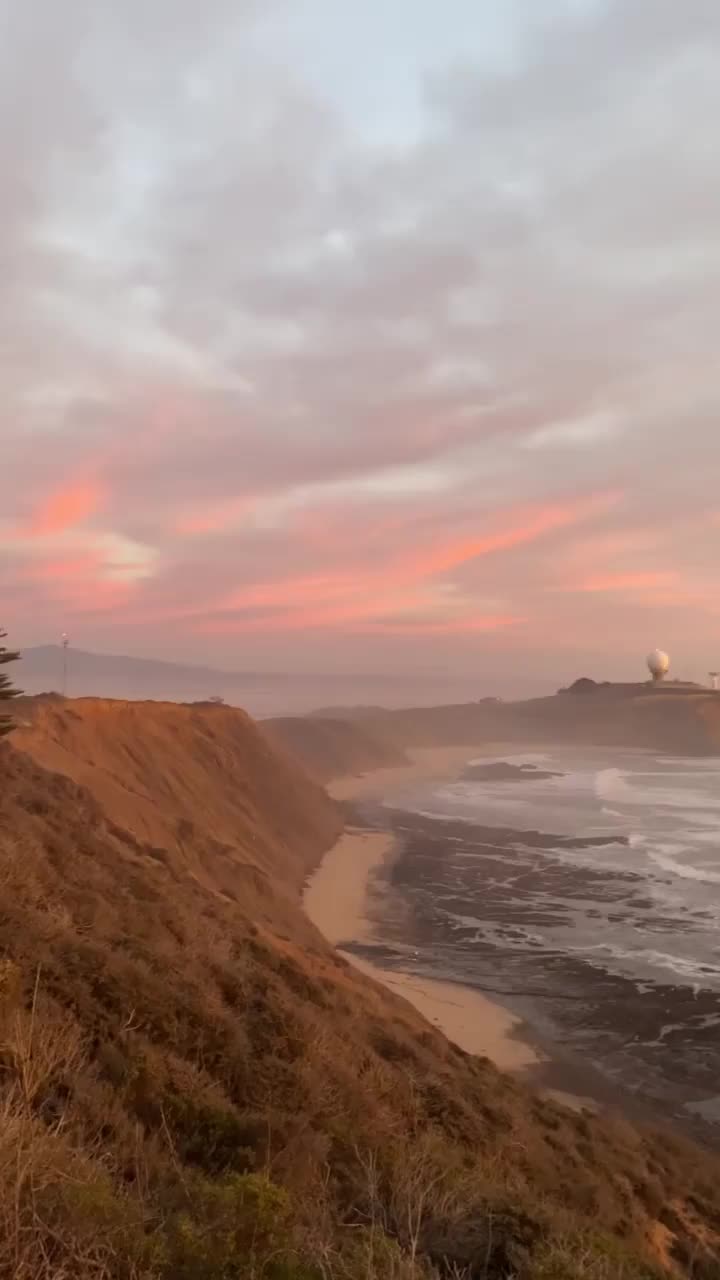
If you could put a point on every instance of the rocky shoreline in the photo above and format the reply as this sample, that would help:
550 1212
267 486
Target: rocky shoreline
443 908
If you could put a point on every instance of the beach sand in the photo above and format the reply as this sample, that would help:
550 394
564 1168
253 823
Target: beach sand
424 763
335 900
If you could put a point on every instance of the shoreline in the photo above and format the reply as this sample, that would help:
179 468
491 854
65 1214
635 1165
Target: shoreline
335 900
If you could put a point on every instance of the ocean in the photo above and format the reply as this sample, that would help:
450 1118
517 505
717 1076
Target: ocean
583 890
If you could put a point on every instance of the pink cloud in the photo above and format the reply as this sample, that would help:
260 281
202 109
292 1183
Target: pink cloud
66 508
632 581
370 589
63 569
526 526
212 518
446 626
354 621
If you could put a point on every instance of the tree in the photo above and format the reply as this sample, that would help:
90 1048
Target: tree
583 685
6 688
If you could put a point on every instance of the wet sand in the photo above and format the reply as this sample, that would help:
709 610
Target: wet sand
581 1033
335 900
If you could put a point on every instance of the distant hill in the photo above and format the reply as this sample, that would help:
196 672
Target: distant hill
262 693
114 675
329 747
674 718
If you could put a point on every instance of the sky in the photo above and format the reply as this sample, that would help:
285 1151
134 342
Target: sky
362 337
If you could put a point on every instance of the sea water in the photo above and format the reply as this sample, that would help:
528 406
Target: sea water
589 901
665 813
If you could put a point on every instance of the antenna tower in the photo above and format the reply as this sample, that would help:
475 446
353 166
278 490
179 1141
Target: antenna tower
65 641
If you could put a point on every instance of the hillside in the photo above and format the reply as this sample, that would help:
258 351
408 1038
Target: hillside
263 693
329 747
686 722
200 782
120 676
196 1087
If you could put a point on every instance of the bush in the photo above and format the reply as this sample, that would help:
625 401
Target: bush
233 1228
212 1138
587 1258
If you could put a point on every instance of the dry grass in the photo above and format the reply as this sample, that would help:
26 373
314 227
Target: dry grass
193 1085
47 1180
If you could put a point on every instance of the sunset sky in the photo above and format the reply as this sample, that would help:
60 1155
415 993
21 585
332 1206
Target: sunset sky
362 336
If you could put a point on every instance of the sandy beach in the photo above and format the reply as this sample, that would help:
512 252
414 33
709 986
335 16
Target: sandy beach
423 762
335 900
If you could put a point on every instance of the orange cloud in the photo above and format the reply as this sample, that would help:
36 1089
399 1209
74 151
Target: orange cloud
298 619
390 593
361 617
531 525
362 598
374 582
66 508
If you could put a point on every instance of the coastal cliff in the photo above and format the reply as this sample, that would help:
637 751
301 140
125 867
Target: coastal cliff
195 1084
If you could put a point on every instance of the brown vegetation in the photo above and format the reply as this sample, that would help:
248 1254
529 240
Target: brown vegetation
194 1085
683 720
327 747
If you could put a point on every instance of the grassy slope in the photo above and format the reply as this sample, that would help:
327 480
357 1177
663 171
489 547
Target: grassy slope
206 1090
187 777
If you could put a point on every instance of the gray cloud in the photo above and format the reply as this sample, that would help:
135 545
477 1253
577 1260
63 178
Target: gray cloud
275 346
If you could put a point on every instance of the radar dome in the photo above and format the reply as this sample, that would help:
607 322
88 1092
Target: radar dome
658 664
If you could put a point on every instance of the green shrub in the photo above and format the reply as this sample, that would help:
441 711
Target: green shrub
212 1138
592 1257
85 1220
230 1229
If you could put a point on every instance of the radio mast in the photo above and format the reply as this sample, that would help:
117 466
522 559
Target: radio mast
65 642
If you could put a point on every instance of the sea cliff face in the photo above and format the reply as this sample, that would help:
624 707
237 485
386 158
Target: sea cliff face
196 1085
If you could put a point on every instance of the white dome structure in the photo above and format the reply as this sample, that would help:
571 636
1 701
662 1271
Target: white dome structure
658 664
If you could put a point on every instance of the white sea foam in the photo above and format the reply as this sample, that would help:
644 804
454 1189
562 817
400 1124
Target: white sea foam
665 857
667 815
610 784
709 764
527 757
617 787
647 957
